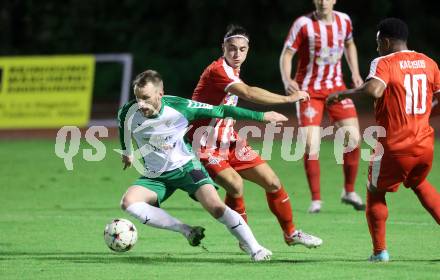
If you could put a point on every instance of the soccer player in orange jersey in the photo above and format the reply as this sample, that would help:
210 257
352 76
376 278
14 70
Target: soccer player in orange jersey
220 83
320 39
404 84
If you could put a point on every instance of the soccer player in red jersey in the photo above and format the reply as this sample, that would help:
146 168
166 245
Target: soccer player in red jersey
228 158
404 84
320 39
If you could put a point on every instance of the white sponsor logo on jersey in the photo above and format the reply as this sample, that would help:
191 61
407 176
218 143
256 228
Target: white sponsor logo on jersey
198 105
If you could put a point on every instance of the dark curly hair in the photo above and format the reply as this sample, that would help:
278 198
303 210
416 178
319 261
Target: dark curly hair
393 28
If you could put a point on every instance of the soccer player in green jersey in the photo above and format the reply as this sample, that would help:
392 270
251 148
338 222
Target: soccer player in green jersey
158 124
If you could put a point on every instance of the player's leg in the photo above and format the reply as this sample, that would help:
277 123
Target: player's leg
344 115
427 194
139 201
208 197
309 116
385 174
429 198
219 169
232 182
279 203
312 166
276 196
377 214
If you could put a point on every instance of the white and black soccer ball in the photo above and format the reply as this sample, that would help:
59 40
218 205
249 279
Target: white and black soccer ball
120 235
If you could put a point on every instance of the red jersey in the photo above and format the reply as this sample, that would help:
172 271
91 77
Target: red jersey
212 88
320 47
410 78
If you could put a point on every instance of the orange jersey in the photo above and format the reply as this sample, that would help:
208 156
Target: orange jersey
410 78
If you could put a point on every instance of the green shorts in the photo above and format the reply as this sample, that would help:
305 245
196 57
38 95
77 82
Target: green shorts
189 178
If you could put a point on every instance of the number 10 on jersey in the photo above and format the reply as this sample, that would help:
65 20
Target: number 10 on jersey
415 99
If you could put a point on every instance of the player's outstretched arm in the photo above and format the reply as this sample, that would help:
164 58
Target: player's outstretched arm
264 97
372 87
197 110
274 117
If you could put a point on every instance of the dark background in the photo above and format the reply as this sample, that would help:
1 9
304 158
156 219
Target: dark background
180 38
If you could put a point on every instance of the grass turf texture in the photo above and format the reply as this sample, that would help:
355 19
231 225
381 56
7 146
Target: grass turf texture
52 222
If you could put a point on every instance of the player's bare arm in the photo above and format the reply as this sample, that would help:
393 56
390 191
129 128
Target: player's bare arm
290 85
352 61
372 87
435 109
264 97
274 117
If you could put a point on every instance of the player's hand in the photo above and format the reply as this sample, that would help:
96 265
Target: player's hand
357 80
333 98
274 117
435 109
299 95
291 87
127 161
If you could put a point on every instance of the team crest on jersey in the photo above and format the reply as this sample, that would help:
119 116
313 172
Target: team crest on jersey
198 105
310 112
212 160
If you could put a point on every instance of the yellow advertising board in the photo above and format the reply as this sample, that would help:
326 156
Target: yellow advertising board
46 91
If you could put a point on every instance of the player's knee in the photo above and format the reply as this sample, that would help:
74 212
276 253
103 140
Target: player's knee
354 140
377 211
127 199
124 203
272 183
217 210
311 148
234 186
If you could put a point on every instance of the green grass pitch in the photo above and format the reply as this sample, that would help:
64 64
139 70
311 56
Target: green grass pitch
52 222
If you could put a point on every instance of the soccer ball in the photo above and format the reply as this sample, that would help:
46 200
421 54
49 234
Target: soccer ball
120 235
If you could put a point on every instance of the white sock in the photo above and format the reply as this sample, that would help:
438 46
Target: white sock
239 228
156 217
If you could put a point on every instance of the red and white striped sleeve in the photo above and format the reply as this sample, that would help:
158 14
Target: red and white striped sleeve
297 34
347 25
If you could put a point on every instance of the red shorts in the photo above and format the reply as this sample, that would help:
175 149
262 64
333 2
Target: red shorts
311 112
239 157
389 172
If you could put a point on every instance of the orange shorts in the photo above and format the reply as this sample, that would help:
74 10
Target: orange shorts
239 157
311 112
389 172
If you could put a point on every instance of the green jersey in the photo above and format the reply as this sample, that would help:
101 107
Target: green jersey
161 139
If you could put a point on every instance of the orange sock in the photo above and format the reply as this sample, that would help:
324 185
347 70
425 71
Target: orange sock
351 164
279 204
377 214
236 204
430 199
313 173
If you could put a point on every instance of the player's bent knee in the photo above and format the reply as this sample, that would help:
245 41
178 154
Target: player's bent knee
136 194
217 211
126 201
272 184
233 185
